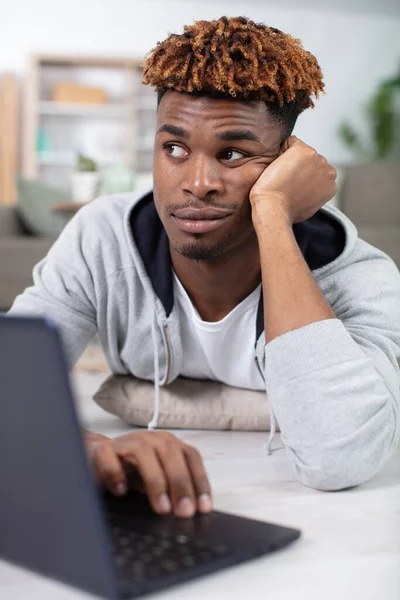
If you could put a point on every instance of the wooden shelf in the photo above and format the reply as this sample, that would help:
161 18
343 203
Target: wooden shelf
68 159
124 124
76 60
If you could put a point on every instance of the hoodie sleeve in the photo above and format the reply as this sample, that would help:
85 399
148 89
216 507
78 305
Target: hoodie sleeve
63 288
334 385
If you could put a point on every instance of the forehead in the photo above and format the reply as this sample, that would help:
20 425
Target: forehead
192 112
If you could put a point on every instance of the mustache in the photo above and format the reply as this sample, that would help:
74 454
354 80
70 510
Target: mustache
196 205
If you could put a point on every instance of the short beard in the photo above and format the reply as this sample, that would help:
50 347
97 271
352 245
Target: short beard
200 252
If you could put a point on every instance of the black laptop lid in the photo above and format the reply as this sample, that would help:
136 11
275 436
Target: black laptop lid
49 515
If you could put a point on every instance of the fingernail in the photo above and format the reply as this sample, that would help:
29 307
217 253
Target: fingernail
120 488
164 505
185 507
205 504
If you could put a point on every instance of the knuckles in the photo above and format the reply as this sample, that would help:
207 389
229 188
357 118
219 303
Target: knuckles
192 453
164 441
166 435
100 449
332 171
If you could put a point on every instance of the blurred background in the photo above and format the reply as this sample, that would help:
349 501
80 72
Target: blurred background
76 122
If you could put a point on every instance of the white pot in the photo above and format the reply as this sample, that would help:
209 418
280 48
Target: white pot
84 186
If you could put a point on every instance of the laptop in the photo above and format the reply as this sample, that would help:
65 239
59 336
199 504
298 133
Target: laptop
55 520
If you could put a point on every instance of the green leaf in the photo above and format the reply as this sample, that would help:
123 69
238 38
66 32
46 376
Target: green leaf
348 135
381 111
351 139
382 120
84 163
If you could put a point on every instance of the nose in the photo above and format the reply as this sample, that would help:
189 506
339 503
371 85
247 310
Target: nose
202 177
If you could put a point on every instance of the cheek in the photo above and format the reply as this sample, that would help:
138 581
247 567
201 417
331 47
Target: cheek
166 180
255 170
241 180
161 181
158 169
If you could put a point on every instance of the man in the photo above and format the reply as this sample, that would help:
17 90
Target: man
231 270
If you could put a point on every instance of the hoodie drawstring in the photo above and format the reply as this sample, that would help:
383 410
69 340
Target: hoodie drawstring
154 421
268 444
272 432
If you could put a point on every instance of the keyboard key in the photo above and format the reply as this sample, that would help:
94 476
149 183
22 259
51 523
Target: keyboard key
140 546
146 557
221 550
152 572
201 544
169 565
189 561
120 560
182 539
141 556
148 539
138 568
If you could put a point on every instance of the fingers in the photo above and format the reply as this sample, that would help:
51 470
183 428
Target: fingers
201 484
155 482
180 484
289 141
292 139
107 467
188 483
332 172
321 161
172 473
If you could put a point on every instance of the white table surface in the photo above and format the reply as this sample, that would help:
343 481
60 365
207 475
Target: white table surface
349 550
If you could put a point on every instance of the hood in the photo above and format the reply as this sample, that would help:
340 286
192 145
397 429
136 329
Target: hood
321 240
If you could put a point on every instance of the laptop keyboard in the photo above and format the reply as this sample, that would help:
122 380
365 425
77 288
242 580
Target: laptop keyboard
142 556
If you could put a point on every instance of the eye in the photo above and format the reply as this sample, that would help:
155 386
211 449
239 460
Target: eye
175 151
232 155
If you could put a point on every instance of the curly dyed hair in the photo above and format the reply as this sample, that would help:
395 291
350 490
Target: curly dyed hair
238 59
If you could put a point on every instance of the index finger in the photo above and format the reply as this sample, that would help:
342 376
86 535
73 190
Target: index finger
200 480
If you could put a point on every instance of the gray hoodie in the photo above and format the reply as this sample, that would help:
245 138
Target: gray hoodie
333 386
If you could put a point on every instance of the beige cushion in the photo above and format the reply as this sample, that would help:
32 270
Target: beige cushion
185 404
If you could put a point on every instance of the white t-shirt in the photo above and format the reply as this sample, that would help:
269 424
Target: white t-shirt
222 351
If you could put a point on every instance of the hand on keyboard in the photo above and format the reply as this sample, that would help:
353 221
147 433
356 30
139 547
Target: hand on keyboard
172 473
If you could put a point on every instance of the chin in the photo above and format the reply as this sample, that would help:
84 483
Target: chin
199 251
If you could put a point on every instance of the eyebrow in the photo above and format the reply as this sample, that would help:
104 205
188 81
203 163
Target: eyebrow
226 136
239 134
173 130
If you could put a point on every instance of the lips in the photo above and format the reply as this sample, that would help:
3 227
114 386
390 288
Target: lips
201 214
202 220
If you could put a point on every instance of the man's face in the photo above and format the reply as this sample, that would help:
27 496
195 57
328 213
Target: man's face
208 154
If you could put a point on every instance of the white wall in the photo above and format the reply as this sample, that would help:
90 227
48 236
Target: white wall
354 49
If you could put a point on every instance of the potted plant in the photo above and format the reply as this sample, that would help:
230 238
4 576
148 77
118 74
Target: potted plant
384 119
85 179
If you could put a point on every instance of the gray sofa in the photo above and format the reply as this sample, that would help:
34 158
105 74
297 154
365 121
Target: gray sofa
19 252
369 196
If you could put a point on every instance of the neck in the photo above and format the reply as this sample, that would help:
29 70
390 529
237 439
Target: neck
215 287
